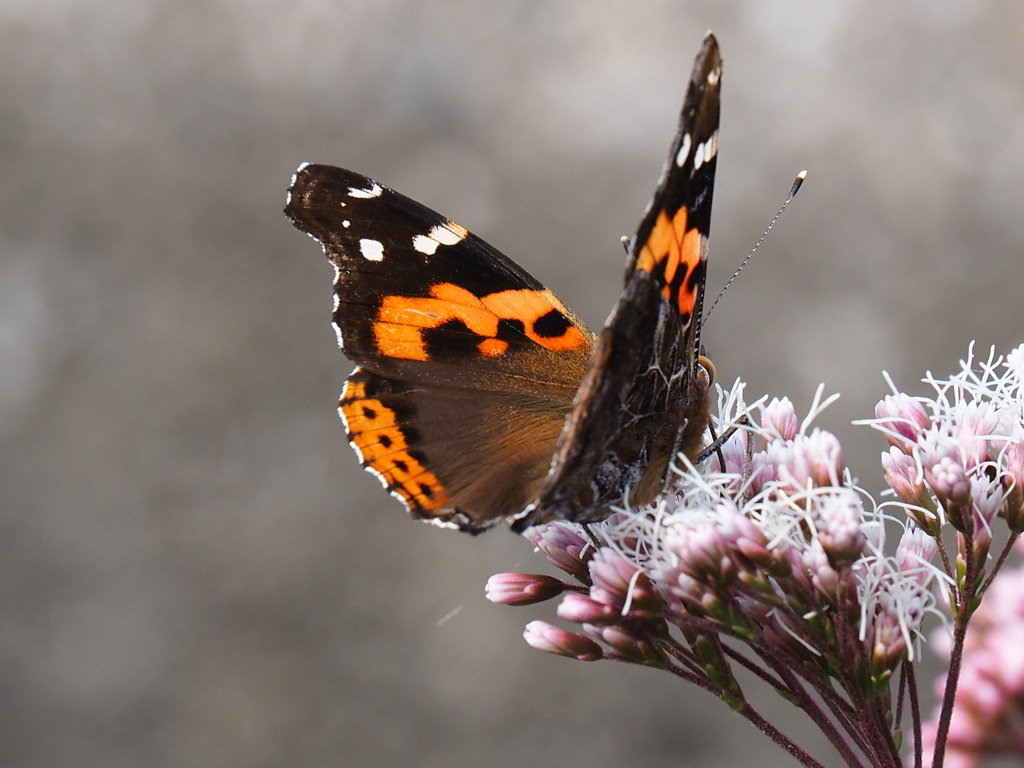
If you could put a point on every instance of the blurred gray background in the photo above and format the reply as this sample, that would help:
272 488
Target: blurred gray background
193 569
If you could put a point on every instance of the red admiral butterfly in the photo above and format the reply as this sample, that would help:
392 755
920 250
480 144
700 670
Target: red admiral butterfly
479 396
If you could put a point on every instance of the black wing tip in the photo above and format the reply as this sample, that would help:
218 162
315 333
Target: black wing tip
309 173
316 192
708 52
708 60
295 199
311 177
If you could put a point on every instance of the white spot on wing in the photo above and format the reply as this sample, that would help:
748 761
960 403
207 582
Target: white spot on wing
706 151
372 250
448 233
711 148
684 151
425 245
366 194
713 77
346 223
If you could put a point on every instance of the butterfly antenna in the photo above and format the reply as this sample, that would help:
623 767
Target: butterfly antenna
789 198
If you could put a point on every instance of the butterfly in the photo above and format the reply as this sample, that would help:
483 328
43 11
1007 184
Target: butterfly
478 396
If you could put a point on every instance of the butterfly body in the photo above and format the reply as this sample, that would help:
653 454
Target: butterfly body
479 396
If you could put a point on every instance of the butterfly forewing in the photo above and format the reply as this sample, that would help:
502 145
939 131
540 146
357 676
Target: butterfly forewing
420 298
645 397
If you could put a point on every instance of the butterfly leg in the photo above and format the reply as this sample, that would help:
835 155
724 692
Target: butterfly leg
718 442
591 535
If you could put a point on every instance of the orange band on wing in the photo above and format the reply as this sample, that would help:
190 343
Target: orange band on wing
677 248
378 438
401 320
530 308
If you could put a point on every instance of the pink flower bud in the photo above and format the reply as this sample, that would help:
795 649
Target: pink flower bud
580 608
1014 457
906 478
809 461
1015 463
551 639
734 451
904 420
702 552
634 648
840 522
976 422
563 547
762 471
521 588
618 582
945 472
779 418
823 577
824 458
915 554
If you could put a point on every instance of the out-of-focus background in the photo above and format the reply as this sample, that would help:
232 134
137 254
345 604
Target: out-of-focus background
193 570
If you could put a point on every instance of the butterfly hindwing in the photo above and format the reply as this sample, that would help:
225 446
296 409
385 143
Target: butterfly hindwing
453 455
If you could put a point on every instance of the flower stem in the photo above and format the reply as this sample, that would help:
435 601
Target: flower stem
810 707
948 697
907 669
780 738
965 597
1007 548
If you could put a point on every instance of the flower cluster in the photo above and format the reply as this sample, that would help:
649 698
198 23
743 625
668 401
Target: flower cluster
772 561
988 716
956 462
957 459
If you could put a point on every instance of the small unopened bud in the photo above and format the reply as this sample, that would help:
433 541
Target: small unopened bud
551 639
521 588
904 420
779 417
634 648
580 608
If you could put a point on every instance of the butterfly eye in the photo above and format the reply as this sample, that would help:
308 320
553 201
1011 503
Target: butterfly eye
706 371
